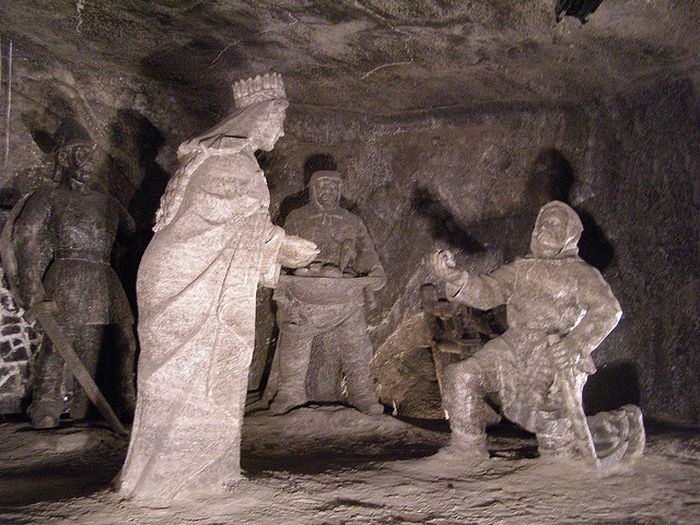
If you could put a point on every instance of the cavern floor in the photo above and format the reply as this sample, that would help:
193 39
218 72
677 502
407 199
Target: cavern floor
334 465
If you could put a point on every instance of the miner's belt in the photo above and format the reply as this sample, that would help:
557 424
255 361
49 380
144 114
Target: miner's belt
83 255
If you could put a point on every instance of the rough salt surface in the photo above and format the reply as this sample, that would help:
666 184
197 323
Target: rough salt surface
334 465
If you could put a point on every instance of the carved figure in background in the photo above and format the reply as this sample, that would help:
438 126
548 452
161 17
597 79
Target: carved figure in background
196 288
559 310
346 254
457 332
61 239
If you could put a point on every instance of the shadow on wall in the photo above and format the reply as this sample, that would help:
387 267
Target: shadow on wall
612 386
198 73
552 175
138 142
201 93
444 226
580 9
134 135
551 178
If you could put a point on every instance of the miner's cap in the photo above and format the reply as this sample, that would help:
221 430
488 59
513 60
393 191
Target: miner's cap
325 174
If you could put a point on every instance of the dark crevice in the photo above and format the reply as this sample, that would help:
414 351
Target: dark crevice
580 9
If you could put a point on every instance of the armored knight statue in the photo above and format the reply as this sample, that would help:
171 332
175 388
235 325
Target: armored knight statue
58 243
196 288
559 310
346 254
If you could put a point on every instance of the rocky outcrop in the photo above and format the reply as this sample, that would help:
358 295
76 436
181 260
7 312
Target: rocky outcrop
452 122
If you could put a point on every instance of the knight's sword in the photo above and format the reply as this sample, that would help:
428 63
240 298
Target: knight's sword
42 312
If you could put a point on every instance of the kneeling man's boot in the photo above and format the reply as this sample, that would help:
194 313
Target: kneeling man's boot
44 414
636 436
471 446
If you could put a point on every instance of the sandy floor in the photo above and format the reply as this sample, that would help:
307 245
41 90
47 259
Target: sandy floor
334 465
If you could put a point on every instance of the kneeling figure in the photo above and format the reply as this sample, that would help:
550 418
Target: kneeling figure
559 310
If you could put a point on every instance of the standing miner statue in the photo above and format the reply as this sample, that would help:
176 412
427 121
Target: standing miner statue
327 298
56 249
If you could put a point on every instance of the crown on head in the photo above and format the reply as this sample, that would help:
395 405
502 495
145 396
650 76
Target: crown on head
257 89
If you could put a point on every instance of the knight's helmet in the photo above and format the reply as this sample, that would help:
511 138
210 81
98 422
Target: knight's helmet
71 133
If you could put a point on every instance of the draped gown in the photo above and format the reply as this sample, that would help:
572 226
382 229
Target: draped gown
196 298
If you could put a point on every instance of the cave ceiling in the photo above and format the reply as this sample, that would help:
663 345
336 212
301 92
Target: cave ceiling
376 56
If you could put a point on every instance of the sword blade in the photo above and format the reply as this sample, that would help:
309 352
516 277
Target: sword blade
65 349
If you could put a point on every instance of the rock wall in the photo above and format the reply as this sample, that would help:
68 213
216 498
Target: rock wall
646 155
18 344
469 178
473 179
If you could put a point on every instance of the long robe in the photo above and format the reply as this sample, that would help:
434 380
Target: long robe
196 296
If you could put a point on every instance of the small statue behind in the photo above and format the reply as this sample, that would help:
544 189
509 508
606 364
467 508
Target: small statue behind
327 299
559 310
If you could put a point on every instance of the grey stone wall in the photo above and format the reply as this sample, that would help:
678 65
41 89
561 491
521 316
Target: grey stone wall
646 155
18 344
469 178
472 179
